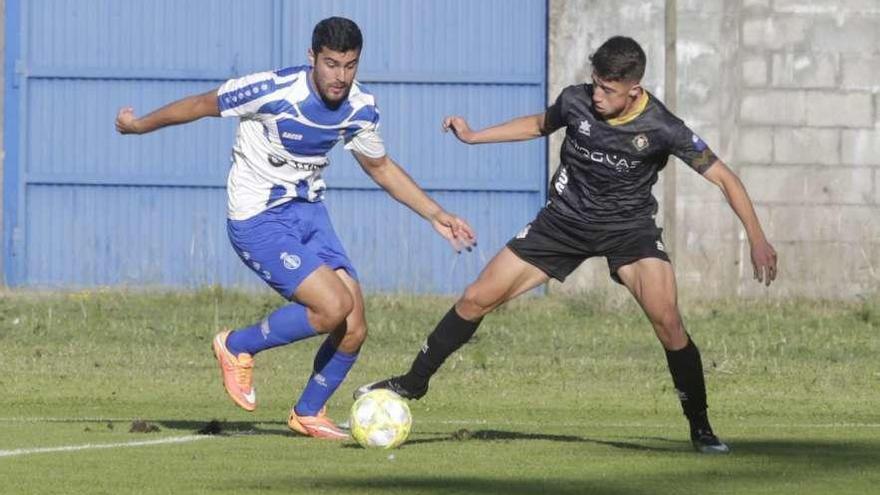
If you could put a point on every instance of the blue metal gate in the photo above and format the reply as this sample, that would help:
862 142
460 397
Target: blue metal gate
85 207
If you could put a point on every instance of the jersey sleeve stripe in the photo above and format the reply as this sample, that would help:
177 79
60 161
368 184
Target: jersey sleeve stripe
236 97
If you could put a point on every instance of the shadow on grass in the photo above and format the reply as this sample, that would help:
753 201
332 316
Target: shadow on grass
217 427
466 484
756 465
500 435
202 427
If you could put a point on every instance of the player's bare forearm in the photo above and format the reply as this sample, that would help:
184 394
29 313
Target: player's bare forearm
738 198
399 185
404 189
179 112
518 129
764 258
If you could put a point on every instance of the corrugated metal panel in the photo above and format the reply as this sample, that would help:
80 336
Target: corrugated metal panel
94 208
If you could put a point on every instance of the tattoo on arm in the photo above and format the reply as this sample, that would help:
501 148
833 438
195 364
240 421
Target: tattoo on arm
703 160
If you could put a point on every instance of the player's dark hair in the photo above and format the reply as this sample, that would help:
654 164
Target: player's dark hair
619 59
338 34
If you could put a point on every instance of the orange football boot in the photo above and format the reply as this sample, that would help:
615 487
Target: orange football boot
238 373
318 426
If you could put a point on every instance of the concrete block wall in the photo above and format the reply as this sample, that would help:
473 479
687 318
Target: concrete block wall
788 94
815 176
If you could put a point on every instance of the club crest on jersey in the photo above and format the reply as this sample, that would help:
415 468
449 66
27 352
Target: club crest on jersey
290 261
584 128
640 142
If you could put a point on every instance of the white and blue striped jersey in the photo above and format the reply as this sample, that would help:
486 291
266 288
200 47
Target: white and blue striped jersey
284 135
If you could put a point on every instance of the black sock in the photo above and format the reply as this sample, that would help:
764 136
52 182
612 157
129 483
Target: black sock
451 333
686 368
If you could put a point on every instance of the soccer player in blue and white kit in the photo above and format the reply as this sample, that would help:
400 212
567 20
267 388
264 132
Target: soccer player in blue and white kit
277 223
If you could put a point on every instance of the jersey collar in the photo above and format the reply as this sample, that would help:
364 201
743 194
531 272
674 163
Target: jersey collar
637 110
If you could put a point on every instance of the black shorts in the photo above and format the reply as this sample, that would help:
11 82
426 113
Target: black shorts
557 247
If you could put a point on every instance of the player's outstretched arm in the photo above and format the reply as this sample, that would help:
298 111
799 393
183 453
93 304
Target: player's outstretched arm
179 112
391 177
518 129
763 255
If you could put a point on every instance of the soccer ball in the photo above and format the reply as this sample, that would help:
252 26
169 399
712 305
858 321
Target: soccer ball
380 418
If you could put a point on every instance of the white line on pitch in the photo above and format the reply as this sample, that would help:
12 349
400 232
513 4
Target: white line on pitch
90 446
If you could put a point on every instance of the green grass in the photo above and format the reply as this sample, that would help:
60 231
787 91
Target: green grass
553 396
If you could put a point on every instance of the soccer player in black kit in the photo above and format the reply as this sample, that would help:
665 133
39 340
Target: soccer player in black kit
617 139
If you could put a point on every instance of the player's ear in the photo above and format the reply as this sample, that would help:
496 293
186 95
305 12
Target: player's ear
312 57
635 90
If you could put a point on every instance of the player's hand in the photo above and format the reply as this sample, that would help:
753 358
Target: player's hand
460 128
455 230
764 261
126 122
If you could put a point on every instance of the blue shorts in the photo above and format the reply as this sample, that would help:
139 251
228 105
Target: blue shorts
286 243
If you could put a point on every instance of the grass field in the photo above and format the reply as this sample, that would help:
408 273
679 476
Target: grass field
554 396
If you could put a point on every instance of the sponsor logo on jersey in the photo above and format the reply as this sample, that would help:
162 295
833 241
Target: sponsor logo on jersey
620 164
584 128
277 161
660 246
290 261
292 136
524 232
311 167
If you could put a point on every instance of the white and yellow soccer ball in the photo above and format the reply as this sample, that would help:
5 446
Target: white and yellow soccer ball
380 418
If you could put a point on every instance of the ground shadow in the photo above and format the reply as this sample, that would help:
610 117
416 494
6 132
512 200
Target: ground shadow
464 435
219 427
200 427
469 485
839 466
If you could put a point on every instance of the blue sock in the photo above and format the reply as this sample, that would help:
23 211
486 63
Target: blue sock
331 367
287 324
325 352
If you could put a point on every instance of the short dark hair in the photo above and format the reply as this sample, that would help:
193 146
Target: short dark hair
338 34
619 59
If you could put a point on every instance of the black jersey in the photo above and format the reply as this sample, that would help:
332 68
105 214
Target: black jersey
607 171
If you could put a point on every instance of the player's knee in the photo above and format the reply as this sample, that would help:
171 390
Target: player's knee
669 329
356 334
473 304
332 311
